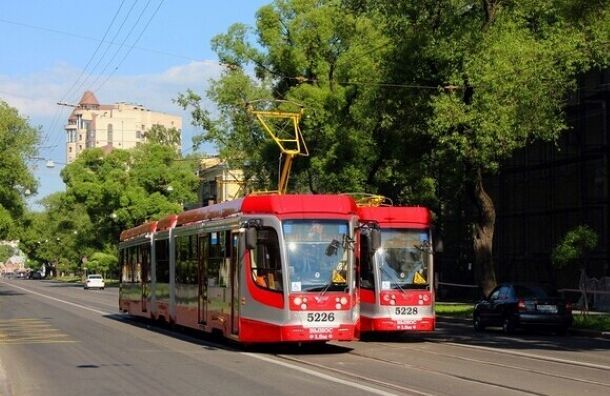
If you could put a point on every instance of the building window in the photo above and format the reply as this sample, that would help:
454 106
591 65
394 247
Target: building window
109 138
138 135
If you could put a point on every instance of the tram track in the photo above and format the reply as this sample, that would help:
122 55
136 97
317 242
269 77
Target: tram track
489 362
401 388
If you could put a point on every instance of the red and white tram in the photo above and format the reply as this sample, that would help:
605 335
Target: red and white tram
396 292
264 268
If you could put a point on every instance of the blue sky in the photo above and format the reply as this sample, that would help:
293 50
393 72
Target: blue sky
54 50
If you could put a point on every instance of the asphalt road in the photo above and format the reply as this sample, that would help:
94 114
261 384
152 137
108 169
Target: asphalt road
58 339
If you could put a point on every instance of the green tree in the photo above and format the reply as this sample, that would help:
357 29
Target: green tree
18 142
6 251
404 98
503 72
164 136
574 246
102 263
128 187
302 51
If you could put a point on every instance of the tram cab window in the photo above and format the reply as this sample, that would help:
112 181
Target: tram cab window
367 280
265 261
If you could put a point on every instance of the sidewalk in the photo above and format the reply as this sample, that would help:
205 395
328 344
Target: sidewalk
571 331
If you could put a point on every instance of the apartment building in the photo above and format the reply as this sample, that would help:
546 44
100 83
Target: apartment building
120 125
219 183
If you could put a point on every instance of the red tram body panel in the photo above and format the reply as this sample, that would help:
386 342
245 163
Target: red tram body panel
396 290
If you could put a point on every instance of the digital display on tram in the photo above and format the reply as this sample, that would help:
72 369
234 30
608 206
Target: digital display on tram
317 254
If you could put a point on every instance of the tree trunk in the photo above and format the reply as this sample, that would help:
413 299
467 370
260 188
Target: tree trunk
483 235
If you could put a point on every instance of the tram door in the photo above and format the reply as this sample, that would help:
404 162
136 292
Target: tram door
145 268
202 271
234 276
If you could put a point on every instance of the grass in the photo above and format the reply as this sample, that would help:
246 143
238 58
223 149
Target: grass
599 322
592 321
455 310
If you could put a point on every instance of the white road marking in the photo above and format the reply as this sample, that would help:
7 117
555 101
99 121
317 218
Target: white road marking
59 300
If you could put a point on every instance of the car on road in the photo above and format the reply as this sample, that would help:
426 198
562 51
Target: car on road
35 275
521 305
94 281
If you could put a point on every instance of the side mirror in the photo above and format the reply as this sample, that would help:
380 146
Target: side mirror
438 246
251 237
438 241
375 240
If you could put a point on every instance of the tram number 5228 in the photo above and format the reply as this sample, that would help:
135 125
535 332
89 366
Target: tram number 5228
321 317
406 310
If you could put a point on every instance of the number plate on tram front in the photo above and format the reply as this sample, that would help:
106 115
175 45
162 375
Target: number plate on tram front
319 319
401 312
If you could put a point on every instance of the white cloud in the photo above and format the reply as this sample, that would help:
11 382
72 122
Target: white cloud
36 96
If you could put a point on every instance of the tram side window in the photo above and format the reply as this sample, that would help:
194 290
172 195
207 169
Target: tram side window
218 252
145 250
162 256
137 263
186 259
265 260
126 268
366 265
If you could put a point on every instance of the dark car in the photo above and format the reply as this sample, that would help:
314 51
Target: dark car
517 305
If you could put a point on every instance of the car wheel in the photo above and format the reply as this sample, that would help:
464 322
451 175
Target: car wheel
508 326
477 324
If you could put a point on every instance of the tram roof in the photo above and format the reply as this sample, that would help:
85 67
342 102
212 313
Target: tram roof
140 230
305 205
396 216
167 222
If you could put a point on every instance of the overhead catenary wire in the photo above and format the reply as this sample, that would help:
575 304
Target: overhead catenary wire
99 45
121 45
62 112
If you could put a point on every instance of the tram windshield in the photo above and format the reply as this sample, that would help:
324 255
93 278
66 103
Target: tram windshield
403 259
317 254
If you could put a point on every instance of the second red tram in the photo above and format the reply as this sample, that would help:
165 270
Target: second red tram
396 289
260 269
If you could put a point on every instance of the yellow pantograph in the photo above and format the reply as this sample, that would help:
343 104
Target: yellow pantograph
283 128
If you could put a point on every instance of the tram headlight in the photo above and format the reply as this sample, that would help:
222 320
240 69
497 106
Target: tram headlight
343 300
304 306
297 301
338 306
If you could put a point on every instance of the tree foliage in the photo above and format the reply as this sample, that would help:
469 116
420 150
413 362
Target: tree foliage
572 249
6 251
18 142
125 188
405 98
163 136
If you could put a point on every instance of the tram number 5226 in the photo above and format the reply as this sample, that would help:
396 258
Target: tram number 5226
406 311
321 317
